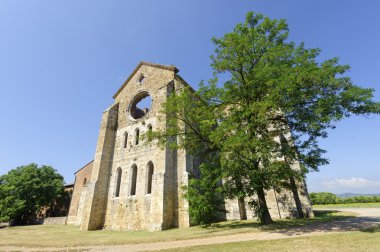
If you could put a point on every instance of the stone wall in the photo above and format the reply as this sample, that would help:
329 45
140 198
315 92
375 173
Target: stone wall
54 221
82 178
95 204
109 202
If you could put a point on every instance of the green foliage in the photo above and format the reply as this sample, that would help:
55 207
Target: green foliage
324 198
205 195
60 205
24 190
359 199
276 87
190 119
277 102
274 82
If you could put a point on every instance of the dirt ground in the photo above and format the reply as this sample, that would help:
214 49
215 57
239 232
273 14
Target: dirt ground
367 217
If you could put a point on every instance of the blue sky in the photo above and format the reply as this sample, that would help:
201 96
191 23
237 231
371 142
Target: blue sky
61 62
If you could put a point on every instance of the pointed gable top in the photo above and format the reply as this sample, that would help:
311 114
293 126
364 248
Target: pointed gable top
89 163
170 68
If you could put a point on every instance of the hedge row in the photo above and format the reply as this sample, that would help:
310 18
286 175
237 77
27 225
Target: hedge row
324 198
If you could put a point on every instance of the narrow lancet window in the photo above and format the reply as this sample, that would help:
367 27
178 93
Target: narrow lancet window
125 139
133 180
137 136
150 170
118 180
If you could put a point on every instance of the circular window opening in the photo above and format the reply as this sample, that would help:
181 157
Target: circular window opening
141 105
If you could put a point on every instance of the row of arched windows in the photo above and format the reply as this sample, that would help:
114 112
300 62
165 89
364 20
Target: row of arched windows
133 179
137 136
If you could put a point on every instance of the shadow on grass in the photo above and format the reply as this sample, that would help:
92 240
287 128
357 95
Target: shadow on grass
235 224
374 229
321 216
248 225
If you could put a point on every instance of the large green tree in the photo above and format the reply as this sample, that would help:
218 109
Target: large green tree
24 190
276 87
277 101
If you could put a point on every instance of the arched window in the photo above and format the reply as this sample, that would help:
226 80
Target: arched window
84 181
137 136
125 139
150 130
133 180
118 180
140 105
150 170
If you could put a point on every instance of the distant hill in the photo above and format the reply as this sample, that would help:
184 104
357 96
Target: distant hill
349 195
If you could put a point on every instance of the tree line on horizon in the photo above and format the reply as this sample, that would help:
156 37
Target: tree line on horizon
325 198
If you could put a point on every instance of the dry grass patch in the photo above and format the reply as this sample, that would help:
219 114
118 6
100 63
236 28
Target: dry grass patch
71 236
347 241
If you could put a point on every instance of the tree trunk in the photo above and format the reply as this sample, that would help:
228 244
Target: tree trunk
296 197
293 185
242 210
264 215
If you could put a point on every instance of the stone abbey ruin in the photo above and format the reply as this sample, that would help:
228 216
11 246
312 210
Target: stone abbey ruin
131 185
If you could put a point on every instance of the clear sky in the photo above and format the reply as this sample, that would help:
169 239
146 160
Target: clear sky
61 62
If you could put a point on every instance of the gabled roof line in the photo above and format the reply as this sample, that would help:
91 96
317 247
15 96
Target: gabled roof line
170 68
83 166
179 77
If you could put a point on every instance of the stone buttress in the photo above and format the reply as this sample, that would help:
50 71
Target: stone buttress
136 184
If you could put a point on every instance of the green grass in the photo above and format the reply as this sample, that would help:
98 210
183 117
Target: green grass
347 241
375 229
351 205
71 236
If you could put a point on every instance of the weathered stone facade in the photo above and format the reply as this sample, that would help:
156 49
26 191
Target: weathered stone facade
135 184
82 177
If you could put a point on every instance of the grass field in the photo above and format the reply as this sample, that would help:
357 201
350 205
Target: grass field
70 236
351 205
367 240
